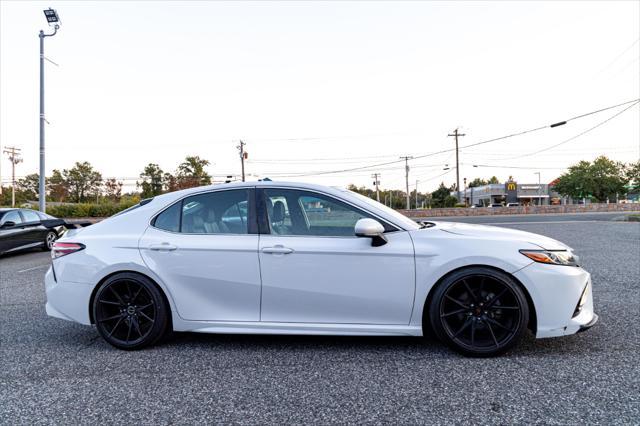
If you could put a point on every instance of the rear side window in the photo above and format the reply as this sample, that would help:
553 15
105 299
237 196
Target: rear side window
219 212
30 216
169 220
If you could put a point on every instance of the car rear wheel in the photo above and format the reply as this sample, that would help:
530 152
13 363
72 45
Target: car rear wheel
479 312
49 239
130 312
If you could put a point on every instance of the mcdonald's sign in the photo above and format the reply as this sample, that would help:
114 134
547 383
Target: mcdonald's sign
511 191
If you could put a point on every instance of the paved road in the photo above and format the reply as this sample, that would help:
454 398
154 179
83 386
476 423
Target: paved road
53 371
533 218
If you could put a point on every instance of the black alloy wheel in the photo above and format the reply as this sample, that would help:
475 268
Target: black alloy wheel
49 239
479 312
129 311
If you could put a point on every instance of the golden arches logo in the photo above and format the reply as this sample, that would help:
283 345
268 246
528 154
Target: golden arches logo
511 186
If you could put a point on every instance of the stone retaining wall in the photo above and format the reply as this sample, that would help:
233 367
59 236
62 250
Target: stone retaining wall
485 211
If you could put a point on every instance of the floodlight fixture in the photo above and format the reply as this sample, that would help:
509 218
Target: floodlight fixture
52 16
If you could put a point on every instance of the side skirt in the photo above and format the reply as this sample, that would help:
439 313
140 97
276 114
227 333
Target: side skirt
224 327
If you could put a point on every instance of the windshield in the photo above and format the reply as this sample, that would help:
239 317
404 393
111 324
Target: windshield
399 218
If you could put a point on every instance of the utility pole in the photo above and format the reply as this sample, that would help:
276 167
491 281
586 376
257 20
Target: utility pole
376 182
406 178
456 135
416 194
52 18
243 156
15 158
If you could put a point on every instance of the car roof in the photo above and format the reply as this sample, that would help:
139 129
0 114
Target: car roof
7 209
259 184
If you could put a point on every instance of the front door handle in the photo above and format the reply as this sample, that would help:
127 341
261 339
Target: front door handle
162 247
277 249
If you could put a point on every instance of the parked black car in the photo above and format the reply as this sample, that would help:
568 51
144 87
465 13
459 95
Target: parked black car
24 228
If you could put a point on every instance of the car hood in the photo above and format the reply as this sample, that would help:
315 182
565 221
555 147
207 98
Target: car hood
499 233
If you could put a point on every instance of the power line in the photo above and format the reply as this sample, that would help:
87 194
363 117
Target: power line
573 137
517 167
478 143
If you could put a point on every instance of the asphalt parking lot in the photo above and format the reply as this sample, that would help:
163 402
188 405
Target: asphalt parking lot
53 371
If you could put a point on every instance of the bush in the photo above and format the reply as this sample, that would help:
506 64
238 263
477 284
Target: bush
104 209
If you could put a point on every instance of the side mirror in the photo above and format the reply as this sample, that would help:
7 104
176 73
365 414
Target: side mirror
370 228
8 224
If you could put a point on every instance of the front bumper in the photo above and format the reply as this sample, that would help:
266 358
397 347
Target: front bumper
67 300
590 324
555 291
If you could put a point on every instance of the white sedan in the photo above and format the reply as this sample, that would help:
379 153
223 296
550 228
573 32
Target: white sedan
288 258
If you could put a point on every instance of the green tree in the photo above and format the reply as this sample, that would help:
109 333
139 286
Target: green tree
633 176
152 181
82 180
170 182
57 186
493 180
113 190
477 182
439 196
191 173
603 179
29 186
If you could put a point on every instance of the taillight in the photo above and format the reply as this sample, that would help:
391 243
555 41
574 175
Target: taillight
62 249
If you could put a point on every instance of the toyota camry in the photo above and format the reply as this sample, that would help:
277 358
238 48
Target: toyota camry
292 258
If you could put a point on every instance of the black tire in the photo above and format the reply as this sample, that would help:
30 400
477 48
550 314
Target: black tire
130 312
49 239
479 312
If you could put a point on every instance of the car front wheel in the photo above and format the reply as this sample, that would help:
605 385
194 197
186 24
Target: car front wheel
129 311
479 311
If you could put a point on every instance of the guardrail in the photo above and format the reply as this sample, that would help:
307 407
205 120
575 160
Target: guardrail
487 211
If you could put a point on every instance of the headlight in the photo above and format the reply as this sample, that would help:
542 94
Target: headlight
554 257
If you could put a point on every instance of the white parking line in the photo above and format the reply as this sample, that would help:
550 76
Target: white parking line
33 269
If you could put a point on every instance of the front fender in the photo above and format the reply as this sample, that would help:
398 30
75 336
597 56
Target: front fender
438 256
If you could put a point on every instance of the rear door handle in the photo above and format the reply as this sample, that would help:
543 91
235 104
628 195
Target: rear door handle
162 247
277 249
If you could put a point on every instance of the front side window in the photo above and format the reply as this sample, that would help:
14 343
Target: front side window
30 216
296 212
11 216
220 212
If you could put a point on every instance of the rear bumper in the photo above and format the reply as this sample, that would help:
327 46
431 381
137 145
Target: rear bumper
67 300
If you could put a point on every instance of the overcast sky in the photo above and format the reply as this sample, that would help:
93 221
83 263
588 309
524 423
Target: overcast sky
322 86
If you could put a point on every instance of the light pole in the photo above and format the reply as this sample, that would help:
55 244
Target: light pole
465 192
539 199
52 20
